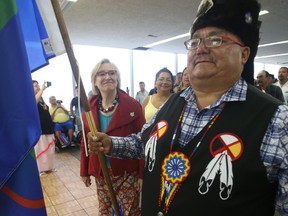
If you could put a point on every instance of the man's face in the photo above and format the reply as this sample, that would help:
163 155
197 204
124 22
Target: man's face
282 74
53 101
142 86
270 80
222 65
178 77
262 79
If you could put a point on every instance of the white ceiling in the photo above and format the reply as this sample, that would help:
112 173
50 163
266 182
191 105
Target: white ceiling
128 24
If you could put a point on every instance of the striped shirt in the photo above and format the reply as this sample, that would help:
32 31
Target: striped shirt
274 147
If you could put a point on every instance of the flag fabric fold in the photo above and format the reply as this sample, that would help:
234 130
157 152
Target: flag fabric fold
56 43
22 194
20 186
35 36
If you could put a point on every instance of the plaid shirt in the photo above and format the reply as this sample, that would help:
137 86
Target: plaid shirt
274 148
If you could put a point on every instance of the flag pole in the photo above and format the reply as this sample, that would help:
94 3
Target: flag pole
83 97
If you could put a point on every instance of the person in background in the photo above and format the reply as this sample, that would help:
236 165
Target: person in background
265 86
271 79
61 119
142 94
90 94
117 114
45 147
127 90
75 111
178 79
184 82
283 82
152 91
219 147
164 89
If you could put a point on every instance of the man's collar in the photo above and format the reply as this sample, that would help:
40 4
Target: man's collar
236 93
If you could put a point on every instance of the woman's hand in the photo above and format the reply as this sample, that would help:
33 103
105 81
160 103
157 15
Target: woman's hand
140 184
44 86
101 142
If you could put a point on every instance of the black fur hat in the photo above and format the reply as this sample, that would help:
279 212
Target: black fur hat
239 17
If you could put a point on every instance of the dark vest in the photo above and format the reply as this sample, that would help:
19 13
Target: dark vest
47 125
235 138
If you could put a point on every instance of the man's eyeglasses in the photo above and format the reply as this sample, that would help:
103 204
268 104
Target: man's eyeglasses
210 42
110 73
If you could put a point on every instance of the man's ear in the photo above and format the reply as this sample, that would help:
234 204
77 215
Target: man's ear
245 54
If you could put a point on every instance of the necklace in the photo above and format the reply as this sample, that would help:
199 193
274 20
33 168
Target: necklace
42 103
109 109
176 166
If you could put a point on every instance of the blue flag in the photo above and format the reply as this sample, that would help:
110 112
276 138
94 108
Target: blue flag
20 186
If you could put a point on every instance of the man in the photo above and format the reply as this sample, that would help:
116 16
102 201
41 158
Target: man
220 146
142 94
75 111
283 82
271 79
60 117
178 79
265 85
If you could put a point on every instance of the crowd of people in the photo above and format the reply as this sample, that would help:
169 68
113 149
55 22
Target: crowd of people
210 140
218 147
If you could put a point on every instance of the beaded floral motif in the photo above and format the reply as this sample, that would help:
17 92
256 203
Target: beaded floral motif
176 166
175 169
248 18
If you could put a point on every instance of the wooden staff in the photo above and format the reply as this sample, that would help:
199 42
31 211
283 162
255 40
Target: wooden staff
83 97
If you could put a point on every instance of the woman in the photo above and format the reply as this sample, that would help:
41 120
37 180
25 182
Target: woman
45 148
116 114
184 82
164 89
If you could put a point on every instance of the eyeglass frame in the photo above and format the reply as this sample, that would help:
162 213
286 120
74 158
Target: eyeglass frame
215 36
162 80
103 74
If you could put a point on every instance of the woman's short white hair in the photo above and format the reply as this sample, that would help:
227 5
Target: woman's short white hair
95 70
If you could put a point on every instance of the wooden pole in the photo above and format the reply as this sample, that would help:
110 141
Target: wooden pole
83 97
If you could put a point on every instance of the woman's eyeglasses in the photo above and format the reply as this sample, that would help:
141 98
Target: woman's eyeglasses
103 74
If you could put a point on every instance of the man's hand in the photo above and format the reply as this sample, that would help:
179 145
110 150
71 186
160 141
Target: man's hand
101 142
86 180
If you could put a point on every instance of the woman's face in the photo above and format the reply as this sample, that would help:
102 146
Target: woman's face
36 87
164 82
106 78
185 79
